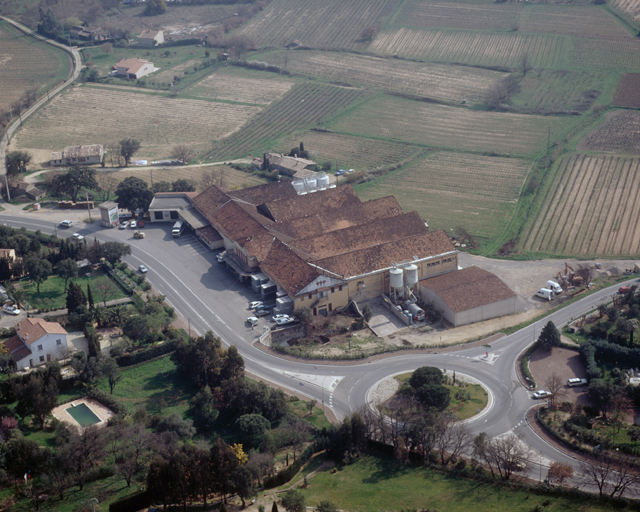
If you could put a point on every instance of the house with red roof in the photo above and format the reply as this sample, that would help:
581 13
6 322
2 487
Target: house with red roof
37 342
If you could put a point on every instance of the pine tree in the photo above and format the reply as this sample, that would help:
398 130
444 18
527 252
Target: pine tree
550 336
89 296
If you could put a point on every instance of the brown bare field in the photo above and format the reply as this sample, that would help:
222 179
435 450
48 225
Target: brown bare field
93 115
618 133
27 64
446 83
244 85
453 190
477 48
630 8
350 152
554 19
591 209
603 54
168 74
449 127
627 93
326 24
231 178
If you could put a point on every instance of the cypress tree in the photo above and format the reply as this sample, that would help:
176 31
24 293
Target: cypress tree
302 147
75 297
275 507
89 296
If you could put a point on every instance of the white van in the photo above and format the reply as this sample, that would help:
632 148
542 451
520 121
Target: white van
178 228
576 382
552 285
545 293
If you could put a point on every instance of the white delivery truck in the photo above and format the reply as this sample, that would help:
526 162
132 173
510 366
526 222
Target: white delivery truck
416 312
552 285
178 228
545 293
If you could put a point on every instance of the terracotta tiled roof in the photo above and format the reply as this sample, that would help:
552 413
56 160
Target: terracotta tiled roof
291 163
210 233
148 34
354 238
82 151
258 246
21 353
210 200
309 204
16 348
286 269
387 255
468 288
352 215
132 65
265 193
233 222
6 253
32 329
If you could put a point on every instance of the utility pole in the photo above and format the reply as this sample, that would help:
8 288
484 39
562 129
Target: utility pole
88 209
548 144
6 182
10 111
151 173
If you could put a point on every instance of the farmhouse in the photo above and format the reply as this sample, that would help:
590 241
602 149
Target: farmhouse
319 248
22 190
78 155
150 37
89 34
468 295
289 165
37 342
134 68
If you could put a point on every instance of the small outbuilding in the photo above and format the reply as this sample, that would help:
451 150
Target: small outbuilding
469 295
150 37
134 68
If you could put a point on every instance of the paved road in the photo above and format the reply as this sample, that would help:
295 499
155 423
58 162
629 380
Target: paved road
77 66
211 299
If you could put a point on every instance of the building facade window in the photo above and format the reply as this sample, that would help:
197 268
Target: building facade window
42 359
39 347
58 342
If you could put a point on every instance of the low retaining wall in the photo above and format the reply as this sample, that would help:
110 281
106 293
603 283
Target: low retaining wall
387 304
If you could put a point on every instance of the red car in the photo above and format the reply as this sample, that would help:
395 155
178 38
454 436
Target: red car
623 289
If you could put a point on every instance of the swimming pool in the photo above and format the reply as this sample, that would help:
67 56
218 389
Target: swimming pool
83 415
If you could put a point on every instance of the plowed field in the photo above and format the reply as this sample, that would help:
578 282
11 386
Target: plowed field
484 49
246 86
351 152
630 8
570 20
93 115
446 83
620 133
453 190
603 54
627 92
450 127
27 64
318 24
591 209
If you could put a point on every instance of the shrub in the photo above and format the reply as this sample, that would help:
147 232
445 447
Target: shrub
108 401
145 355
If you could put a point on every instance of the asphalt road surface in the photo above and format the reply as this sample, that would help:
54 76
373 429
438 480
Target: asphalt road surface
203 292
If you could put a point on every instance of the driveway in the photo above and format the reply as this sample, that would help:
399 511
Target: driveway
383 322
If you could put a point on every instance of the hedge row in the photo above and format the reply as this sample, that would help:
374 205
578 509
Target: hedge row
138 501
606 352
149 353
289 472
127 289
180 42
588 356
108 401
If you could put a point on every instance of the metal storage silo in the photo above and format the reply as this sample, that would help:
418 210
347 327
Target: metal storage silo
411 276
298 185
323 180
311 183
395 281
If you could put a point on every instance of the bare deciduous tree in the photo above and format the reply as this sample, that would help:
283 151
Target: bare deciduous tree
502 90
452 438
501 454
108 183
107 47
612 476
214 177
585 272
368 33
104 288
556 386
183 152
525 64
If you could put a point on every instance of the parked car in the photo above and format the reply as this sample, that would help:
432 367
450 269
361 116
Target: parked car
142 269
252 320
576 382
78 237
255 304
541 394
220 257
133 224
623 289
340 172
277 317
124 224
140 223
12 310
261 312
514 465
263 307
284 321
66 223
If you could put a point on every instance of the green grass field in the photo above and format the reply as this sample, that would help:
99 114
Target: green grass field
451 190
52 296
447 127
156 385
371 484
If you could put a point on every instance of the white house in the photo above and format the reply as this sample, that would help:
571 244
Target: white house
80 155
134 68
36 342
150 37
